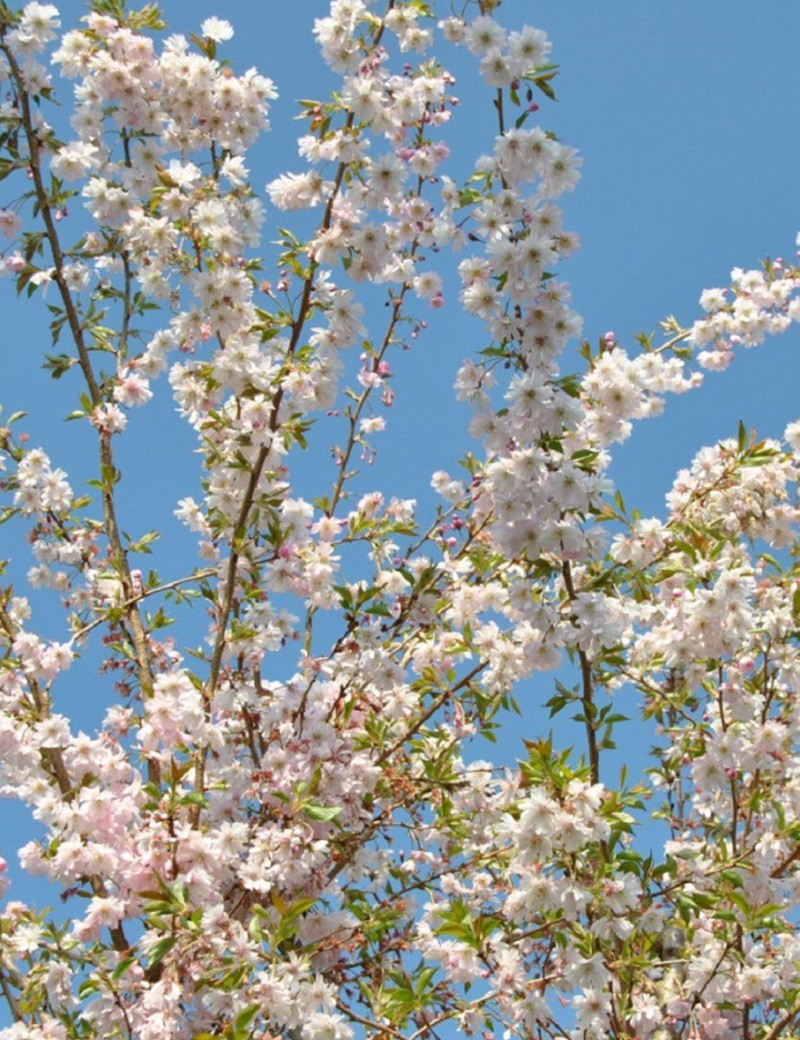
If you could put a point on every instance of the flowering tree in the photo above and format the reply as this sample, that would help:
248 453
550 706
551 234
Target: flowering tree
322 856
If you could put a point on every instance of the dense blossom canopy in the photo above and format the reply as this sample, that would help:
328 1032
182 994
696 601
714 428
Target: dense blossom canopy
324 856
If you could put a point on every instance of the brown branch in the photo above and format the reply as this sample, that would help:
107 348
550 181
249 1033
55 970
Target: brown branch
781 1024
11 1000
108 470
434 707
783 866
587 698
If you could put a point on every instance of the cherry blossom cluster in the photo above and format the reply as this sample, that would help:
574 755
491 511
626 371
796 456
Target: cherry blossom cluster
760 304
288 830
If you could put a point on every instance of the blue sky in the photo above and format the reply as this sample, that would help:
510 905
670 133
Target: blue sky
686 117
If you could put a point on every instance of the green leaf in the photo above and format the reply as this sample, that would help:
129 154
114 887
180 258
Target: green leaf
324 813
122 967
287 926
243 1020
161 949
